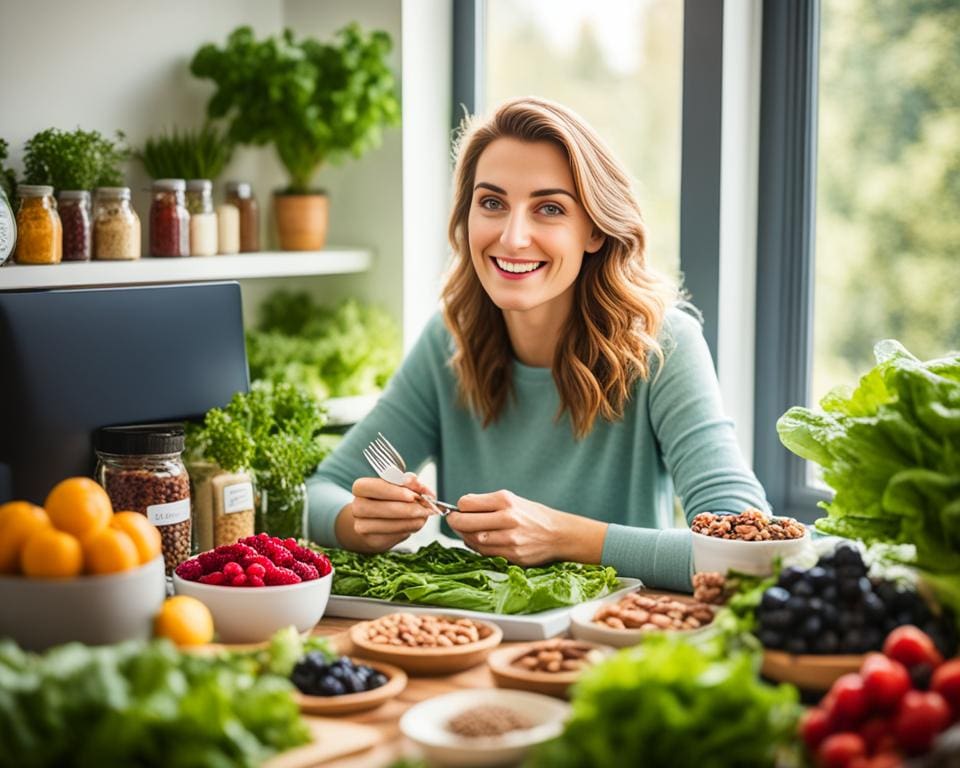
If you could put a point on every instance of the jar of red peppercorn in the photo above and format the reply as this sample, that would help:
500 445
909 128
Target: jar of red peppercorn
169 219
141 469
74 205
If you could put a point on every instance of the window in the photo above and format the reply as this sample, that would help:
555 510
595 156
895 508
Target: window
620 65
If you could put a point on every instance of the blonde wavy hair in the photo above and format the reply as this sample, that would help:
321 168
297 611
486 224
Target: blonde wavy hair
619 303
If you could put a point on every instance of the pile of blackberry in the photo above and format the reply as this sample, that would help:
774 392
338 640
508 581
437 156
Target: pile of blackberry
315 676
835 608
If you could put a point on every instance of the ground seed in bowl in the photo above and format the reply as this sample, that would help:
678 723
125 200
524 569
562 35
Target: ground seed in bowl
488 720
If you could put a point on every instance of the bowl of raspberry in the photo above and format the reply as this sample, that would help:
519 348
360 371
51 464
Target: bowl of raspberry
258 585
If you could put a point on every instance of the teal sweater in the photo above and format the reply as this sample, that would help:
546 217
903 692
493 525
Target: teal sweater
673 438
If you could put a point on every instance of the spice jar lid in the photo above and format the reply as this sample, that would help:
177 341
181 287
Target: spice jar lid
120 192
170 185
239 188
140 439
34 190
73 194
200 185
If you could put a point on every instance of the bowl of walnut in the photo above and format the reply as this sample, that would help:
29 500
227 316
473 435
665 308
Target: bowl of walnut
748 542
628 619
546 666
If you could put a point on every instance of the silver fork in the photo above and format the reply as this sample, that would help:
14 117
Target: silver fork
389 464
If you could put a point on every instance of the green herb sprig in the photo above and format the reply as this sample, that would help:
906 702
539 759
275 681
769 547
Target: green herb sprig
187 154
8 176
74 159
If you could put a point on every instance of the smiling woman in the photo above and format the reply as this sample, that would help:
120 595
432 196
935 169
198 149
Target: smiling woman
563 391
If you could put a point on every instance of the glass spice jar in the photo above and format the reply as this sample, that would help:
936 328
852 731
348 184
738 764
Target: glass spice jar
240 195
228 229
169 219
8 228
74 209
39 234
116 226
142 470
203 220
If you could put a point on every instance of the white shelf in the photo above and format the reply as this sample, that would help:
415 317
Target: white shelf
187 269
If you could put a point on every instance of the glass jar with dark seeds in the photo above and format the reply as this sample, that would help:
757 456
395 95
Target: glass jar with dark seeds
142 471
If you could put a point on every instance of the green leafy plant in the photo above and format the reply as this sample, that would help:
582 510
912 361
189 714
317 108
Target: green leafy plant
315 102
350 349
273 431
189 154
890 449
74 159
8 177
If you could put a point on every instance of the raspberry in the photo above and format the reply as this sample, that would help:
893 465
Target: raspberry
321 563
190 570
300 553
290 543
259 543
235 551
279 555
281 576
249 560
215 578
256 570
232 569
212 561
239 581
254 581
305 571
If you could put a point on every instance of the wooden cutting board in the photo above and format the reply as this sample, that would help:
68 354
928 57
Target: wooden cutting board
331 739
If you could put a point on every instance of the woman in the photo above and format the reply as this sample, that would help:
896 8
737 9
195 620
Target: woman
563 392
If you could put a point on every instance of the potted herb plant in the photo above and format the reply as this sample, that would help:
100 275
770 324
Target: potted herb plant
315 102
186 154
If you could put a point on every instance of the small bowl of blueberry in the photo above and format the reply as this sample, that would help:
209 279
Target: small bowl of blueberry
344 685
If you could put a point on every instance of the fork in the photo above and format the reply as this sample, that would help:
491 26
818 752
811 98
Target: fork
389 465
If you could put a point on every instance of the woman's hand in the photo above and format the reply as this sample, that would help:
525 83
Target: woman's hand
525 532
382 514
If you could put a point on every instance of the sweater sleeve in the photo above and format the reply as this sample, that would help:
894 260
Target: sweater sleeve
407 414
697 441
661 559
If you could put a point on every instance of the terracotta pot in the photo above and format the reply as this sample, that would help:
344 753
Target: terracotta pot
301 221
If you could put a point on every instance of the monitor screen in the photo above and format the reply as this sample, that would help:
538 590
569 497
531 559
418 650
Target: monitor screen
75 360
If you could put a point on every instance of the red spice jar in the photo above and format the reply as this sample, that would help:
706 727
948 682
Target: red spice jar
74 205
169 219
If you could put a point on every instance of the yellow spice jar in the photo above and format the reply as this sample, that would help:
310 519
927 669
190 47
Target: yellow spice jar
39 234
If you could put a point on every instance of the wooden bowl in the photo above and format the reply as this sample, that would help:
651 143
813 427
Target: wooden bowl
349 703
507 675
428 661
808 671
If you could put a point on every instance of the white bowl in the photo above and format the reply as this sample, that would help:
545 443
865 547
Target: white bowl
253 614
426 725
583 627
96 610
713 554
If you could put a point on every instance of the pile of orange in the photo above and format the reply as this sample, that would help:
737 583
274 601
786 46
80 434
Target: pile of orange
75 532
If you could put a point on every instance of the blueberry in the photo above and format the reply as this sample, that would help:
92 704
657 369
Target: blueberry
852 641
847 554
777 620
815 605
363 672
829 615
874 610
827 642
811 627
790 576
316 658
872 639
850 588
773 598
819 577
796 645
849 619
376 680
798 607
802 588
851 572
303 679
886 591
353 683
331 686
770 638
338 671
830 594
827 561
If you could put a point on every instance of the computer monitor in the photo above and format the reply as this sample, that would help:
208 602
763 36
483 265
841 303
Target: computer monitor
75 360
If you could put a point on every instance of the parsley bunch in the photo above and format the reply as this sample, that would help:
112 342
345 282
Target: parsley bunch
74 159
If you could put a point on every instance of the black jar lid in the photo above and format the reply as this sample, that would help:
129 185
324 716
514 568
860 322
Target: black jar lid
140 439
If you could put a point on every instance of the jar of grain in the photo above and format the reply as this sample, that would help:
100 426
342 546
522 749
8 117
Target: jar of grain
228 229
39 234
240 194
169 219
116 226
142 470
74 209
203 220
223 505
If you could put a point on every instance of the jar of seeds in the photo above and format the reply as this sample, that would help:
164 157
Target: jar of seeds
142 471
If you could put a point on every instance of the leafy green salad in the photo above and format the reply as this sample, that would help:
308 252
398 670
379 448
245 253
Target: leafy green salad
458 578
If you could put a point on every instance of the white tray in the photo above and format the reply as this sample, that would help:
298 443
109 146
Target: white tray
527 626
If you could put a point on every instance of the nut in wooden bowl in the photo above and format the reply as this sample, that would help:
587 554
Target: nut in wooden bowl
548 666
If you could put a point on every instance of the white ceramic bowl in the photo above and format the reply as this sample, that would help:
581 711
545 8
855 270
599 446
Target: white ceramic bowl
713 554
425 724
96 610
253 614
583 627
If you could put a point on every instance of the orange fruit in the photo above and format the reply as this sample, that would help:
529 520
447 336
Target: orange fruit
18 520
78 506
145 536
51 554
109 551
185 620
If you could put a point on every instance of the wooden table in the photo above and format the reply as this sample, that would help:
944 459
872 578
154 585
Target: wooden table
386 718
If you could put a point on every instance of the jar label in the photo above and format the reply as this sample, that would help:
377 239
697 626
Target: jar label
169 514
237 498
6 231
